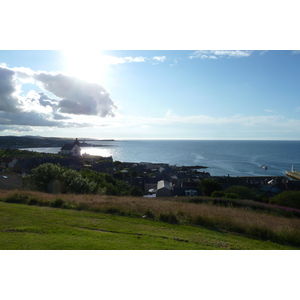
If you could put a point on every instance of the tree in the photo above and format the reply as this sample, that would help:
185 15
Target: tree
287 198
54 178
208 186
242 191
136 192
107 184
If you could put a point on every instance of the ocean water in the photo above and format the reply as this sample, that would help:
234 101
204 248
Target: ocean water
234 158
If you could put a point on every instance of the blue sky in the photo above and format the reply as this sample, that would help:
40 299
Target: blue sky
184 94
167 94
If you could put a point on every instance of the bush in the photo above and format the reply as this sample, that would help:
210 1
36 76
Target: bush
168 218
221 202
195 200
208 186
33 201
232 196
58 202
218 194
17 198
150 214
105 183
242 191
288 198
54 178
136 192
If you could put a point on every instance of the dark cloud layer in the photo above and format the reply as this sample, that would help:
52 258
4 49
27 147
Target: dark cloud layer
25 118
45 100
9 102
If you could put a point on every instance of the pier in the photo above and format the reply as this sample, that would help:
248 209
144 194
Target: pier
293 174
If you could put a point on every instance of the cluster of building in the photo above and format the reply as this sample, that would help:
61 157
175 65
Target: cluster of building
153 179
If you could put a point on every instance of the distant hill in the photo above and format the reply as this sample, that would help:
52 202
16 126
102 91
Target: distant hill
37 141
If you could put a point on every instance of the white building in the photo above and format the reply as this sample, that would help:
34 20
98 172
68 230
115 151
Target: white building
71 149
163 189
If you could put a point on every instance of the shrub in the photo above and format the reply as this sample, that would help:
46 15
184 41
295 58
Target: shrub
150 214
195 200
218 194
232 196
58 202
208 186
288 198
262 232
242 191
168 218
136 192
203 221
43 202
54 178
33 201
82 206
17 198
221 202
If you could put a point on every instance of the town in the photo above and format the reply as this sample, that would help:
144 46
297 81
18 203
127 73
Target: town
151 179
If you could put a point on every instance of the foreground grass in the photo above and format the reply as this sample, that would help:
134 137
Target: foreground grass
34 227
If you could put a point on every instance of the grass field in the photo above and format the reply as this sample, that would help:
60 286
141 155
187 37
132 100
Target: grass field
27 227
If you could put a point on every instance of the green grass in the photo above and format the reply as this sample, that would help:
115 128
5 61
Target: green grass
35 227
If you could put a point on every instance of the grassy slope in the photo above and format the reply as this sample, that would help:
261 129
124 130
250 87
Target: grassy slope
34 227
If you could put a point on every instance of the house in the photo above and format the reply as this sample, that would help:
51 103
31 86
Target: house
186 191
163 189
191 193
150 184
71 149
135 181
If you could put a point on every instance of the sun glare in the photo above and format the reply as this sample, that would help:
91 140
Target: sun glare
89 65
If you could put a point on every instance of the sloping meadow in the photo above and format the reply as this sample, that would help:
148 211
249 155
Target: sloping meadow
260 223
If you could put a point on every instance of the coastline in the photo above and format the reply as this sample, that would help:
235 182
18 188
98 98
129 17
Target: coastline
221 158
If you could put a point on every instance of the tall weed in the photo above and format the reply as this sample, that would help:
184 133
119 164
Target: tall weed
248 218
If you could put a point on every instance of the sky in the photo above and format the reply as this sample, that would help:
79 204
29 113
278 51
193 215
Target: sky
127 73
140 94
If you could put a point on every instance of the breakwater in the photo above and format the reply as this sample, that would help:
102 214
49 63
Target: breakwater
293 174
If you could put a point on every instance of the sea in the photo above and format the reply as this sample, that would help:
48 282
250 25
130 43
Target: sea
221 157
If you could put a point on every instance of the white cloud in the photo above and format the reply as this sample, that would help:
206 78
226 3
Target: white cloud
135 59
114 60
73 96
77 96
296 52
215 54
263 52
174 64
159 58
